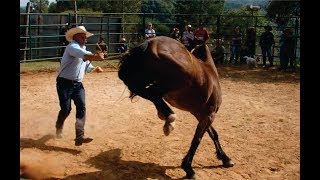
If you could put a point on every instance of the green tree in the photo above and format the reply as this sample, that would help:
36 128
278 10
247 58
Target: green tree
280 11
191 11
39 6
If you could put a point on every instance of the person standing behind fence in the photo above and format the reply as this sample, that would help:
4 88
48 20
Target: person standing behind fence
235 45
266 42
250 42
201 34
188 37
287 45
74 64
149 32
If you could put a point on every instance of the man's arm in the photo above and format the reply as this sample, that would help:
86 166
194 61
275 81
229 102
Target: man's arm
95 57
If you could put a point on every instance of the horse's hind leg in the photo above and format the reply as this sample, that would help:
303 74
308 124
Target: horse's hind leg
220 153
204 123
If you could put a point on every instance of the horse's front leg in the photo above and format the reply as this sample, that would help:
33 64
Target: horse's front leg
154 94
165 113
202 127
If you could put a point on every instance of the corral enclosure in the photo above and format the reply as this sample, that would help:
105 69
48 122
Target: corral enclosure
45 45
258 125
42 31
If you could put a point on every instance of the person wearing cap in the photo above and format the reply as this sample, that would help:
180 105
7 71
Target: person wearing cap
124 47
175 34
266 42
149 32
75 63
187 37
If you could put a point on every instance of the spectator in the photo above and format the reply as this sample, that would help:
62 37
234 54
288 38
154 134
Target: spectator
101 46
201 34
287 46
124 47
235 45
266 42
74 64
188 37
219 51
175 34
149 32
250 42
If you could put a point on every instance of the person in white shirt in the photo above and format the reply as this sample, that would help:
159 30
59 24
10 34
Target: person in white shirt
188 37
75 63
149 32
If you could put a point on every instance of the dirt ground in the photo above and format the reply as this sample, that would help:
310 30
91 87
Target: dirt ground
258 125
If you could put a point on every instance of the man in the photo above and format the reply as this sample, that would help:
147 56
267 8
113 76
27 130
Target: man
187 37
201 34
149 32
266 42
235 45
75 63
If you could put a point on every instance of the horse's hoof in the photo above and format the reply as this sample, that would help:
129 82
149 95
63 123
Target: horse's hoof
228 163
171 118
168 127
190 178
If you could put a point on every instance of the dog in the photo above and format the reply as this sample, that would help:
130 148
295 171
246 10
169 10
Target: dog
251 62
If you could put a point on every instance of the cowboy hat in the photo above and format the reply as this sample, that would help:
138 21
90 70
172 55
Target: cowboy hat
78 29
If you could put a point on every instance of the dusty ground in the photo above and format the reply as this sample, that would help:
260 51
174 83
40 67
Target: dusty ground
258 125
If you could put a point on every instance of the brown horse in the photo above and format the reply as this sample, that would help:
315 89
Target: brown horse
163 70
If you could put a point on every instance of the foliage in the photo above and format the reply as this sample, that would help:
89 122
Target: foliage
39 6
232 4
194 7
244 18
279 11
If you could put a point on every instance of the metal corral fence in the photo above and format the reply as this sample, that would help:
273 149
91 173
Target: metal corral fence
40 37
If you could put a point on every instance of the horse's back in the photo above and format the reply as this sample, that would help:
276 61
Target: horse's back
186 81
194 82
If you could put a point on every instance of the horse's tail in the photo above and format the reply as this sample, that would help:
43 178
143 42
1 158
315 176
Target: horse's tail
132 71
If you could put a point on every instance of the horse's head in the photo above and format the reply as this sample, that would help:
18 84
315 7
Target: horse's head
202 52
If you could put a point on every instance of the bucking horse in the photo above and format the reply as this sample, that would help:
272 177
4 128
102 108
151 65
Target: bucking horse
164 72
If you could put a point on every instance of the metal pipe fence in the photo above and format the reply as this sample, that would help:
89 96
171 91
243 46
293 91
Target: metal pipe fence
40 37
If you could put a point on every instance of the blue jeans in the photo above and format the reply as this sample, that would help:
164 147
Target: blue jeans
267 52
235 51
69 90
